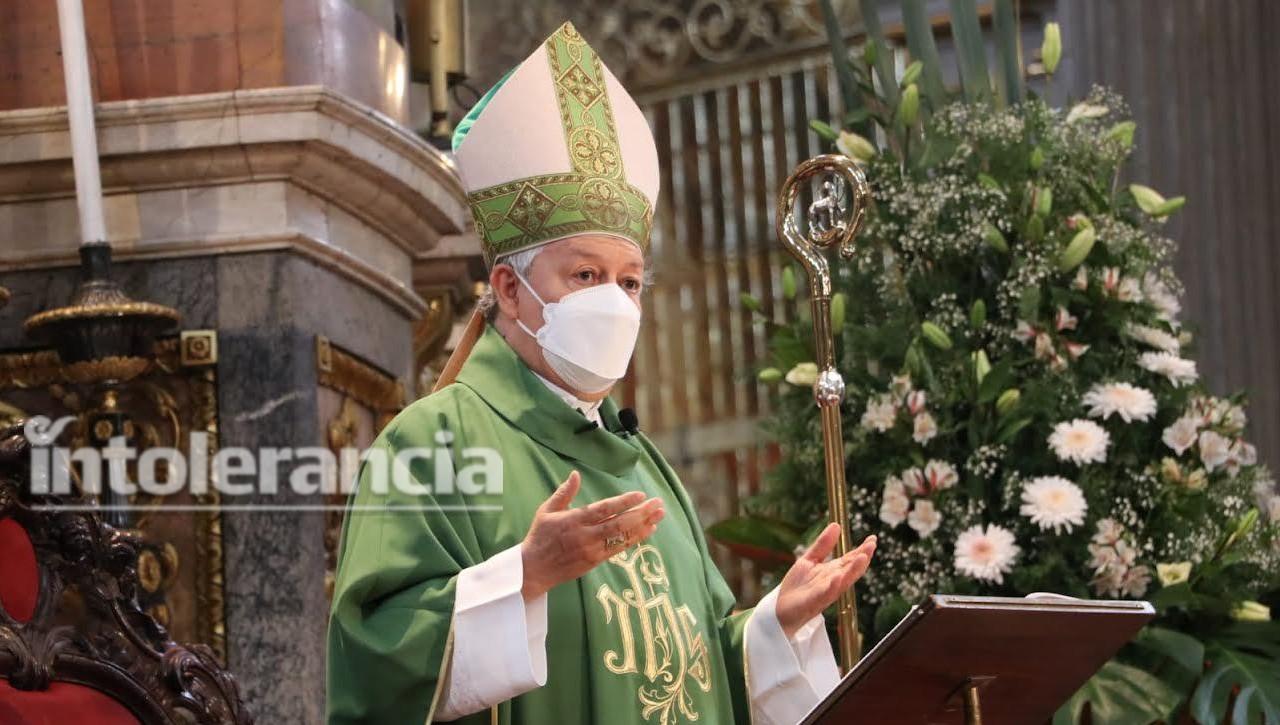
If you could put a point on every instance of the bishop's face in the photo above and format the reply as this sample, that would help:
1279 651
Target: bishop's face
561 268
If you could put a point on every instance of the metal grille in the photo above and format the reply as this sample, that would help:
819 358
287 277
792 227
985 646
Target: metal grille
724 152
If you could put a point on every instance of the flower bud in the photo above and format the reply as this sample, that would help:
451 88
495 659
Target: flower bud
769 375
981 365
1051 48
935 335
870 52
1084 110
1044 201
1122 133
1007 401
1079 220
1251 612
1037 158
855 147
823 129
838 303
994 238
1079 248
803 374
909 106
978 314
910 75
1150 201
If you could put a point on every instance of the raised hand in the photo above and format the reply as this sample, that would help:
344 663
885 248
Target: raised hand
564 543
813 584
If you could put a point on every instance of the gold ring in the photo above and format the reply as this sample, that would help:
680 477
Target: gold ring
614 542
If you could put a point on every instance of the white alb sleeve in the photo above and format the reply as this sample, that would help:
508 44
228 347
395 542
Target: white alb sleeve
786 678
499 642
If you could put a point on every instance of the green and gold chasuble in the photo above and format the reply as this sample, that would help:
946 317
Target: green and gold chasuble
646 638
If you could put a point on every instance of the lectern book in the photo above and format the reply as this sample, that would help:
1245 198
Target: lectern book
988 660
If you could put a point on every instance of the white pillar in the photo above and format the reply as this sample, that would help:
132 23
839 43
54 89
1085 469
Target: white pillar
84 140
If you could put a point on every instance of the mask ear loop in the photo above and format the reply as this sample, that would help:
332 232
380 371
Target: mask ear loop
536 296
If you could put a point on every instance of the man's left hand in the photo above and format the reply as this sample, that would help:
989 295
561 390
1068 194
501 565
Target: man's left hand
813 584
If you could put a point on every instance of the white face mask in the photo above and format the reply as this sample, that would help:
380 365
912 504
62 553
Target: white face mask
587 336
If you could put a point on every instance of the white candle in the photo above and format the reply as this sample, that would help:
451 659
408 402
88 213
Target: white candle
84 141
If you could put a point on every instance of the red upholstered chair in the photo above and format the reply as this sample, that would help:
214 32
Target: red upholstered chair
75 648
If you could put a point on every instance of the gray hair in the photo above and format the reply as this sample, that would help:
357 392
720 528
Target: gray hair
522 262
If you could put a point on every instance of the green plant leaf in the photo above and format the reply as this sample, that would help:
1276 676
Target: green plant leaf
1011 429
840 57
1182 648
971 51
883 58
996 381
1257 677
1121 694
823 129
922 47
1006 32
766 541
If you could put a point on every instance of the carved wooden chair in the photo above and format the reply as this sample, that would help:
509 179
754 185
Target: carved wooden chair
74 645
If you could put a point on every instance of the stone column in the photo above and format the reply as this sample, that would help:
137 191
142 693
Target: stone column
275 217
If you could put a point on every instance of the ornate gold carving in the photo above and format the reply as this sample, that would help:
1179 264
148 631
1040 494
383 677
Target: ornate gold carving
674 650
659 44
199 347
341 371
150 572
176 396
122 309
116 369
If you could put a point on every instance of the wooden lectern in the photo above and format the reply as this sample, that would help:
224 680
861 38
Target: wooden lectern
982 661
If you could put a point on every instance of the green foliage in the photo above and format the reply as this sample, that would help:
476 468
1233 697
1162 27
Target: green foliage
1120 694
1015 362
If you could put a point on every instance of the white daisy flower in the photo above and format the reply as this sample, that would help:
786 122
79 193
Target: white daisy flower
1214 449
1127 401
881 414
924 518
1178 370
1080 441
1182 434
986 554
1154 337
924 428
1053 502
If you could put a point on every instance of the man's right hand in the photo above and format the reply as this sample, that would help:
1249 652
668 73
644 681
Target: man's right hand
563 543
